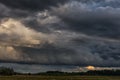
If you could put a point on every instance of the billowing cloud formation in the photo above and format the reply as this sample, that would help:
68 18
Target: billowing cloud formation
92 18
78 32
11 30
13 33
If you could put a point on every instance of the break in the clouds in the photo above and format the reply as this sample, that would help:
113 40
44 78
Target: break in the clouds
57 32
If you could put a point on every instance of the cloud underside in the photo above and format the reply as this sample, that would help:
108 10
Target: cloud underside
73 32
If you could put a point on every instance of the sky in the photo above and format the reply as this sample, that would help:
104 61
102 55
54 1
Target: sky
67 35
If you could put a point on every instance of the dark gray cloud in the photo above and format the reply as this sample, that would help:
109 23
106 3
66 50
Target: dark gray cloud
105 51
7 12
95 18
32 4
48 54
48 32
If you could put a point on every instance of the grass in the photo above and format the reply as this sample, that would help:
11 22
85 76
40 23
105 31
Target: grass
59 77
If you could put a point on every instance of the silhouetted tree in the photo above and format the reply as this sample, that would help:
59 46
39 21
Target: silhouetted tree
6 71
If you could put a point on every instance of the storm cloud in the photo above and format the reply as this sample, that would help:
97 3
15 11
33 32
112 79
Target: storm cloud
32 5
56 32
92 18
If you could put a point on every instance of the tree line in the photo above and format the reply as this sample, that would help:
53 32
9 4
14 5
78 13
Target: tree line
6 71
10 71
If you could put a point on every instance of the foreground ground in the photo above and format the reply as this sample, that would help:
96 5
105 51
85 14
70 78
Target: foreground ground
59 77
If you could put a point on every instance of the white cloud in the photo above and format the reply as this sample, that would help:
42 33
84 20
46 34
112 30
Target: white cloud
14 32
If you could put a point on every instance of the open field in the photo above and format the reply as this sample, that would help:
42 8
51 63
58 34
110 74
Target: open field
59 77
